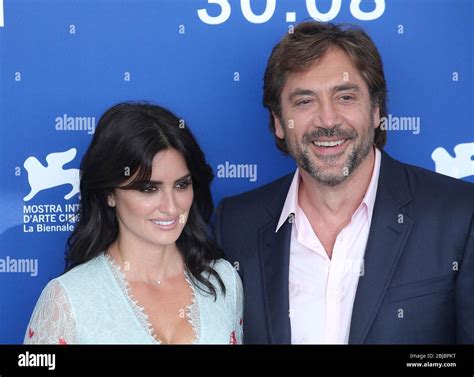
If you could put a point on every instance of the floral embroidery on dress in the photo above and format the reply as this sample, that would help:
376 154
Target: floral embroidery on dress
69 309
233 337
192 310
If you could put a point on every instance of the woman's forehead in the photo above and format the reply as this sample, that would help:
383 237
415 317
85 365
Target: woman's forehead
168 165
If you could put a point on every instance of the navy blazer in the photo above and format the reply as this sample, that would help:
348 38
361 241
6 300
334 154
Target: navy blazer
418 283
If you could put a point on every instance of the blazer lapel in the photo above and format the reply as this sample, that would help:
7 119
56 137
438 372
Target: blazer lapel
275 261
389 231
274 249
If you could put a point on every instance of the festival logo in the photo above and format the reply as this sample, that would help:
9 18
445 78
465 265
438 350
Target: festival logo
45 177
51 216
460 166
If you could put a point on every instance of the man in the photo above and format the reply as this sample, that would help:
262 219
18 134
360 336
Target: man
354 247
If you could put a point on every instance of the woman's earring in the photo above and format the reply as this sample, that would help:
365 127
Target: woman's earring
111 203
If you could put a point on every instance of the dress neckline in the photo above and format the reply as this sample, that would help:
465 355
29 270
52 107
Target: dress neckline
192 310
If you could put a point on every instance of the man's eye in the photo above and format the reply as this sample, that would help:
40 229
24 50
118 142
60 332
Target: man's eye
303 102
347 98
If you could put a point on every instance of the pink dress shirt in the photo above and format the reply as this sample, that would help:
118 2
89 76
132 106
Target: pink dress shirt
322 290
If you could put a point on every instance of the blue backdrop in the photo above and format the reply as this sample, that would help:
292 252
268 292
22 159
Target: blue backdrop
63 62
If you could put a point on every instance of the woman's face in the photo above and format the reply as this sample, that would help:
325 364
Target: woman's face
156 214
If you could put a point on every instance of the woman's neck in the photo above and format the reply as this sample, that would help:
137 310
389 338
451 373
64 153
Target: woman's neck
147 263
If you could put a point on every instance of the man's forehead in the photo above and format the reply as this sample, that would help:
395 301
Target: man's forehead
326 75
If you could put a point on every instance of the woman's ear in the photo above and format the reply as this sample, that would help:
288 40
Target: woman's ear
111 200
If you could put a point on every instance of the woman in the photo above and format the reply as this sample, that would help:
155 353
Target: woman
141 264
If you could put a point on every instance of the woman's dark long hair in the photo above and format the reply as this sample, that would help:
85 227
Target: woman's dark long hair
126 139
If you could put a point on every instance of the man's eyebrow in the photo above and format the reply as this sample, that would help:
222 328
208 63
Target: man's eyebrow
308 92
183 178
343 87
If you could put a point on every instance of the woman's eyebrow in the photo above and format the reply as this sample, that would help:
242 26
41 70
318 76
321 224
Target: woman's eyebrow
184 177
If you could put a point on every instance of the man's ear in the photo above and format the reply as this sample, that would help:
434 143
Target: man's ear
376 115
278 127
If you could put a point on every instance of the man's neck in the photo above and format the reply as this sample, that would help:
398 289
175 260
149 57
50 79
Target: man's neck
340 201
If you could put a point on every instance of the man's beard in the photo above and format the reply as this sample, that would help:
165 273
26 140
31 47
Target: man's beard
321 173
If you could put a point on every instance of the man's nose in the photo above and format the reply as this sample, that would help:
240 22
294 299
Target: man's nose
326 115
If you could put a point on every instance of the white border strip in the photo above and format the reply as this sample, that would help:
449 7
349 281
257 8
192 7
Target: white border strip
2 24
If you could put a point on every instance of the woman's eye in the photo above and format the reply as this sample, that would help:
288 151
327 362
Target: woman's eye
183 185
148 189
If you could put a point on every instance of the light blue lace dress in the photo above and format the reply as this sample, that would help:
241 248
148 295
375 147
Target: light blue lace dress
93 304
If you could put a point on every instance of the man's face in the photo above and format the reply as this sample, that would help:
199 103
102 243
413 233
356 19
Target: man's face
328 121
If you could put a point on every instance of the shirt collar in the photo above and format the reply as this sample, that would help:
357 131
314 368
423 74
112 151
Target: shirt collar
371 193
291 203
